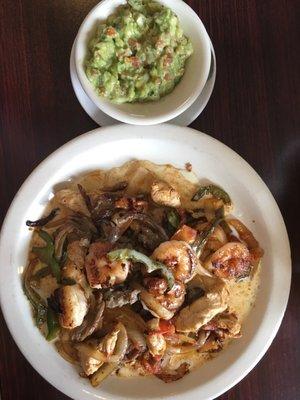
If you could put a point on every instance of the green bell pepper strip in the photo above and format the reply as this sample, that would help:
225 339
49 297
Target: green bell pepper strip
202 239
40 314
52 324
38 304
151 265
173 218
215 191
46 254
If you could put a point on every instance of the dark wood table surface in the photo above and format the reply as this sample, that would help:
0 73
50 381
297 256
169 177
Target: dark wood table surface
254 109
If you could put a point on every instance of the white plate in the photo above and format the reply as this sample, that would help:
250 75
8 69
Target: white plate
184 119
112 146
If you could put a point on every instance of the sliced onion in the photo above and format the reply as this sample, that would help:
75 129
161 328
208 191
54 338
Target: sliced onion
121 345
120 349
137 338
60 240
179 338
67 351
91 322
127 316
102 373
183 349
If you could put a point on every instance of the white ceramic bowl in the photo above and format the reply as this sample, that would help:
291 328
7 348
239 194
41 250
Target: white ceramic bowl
112 146
184 94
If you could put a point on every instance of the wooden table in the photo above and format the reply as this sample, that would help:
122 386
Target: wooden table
254 109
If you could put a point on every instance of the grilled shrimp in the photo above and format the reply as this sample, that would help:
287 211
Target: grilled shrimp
231 261
246 236
101 272
160 301
179 257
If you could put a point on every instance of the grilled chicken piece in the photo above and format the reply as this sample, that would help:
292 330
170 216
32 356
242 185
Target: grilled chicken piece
164 194
224 326
74 264
73 306
201 311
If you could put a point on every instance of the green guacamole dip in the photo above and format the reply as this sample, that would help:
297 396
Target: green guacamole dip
138 54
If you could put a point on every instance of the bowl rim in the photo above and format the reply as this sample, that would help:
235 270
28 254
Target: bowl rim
119 132
123 116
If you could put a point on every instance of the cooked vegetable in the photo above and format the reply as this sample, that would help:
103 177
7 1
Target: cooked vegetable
214 191
175 375
67 351
123 220
118 355
127 316
151 265
103 372
52 324
41 273
43 221
173 218
201 240
46 254
38 304
118 298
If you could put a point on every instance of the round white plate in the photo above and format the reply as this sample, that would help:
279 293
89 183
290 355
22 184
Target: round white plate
112 146
184 119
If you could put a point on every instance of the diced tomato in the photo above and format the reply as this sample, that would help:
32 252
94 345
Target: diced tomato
151 364
166 327
110 31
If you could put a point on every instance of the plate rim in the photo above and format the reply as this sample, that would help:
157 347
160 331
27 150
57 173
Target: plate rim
105 136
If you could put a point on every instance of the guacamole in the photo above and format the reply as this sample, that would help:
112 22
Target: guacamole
138 54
